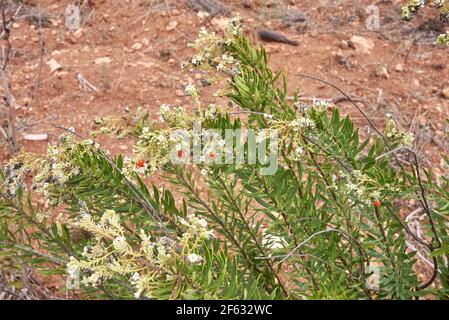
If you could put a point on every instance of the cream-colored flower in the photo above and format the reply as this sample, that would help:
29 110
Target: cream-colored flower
194 258
120 244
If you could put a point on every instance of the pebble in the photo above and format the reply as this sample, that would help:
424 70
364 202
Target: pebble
445 92
137 46
36 137
362 45
103 60
79 33
399 68
171 25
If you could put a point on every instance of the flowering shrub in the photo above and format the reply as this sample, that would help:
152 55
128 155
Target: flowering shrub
410 11
330 221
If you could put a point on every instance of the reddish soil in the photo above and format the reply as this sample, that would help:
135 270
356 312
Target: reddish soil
149 74
144 43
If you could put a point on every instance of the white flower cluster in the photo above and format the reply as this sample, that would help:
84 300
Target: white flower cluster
196 228
211 112
176 117
414 6
192 91
207 44
355 185
320 105
151 152
59 166
301 122
235 26
397 136
212 49
15 174
359 186
443 38
145 262
298 152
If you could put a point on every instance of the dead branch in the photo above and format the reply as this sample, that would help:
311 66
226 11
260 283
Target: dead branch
9 122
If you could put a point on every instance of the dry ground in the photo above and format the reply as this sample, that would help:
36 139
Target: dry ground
131 52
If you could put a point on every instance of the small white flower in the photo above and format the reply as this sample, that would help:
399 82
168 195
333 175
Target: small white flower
221 67
120 244
207 234
191 90
211 112
145 130
194 258
88 142
295 125
73 267
135 278
202 222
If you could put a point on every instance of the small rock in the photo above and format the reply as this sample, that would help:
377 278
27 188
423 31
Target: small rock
343 60
15 25
171 25
203 14
137 46
362 45
104 60
25 101
297 16
415 82
399 68
61 74
171 61
248 3
344 44
381 71
445 92
435 90
54 65
438 66
79 33
36 137
179 93
146 64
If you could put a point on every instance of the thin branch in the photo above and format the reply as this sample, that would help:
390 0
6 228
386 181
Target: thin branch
141 199
36 85
371 123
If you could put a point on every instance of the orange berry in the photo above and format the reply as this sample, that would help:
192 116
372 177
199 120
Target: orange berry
140 163
212 155
377 203
180 153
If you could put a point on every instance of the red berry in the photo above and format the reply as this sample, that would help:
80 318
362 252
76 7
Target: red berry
140 163
377 203
180 153
212 155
